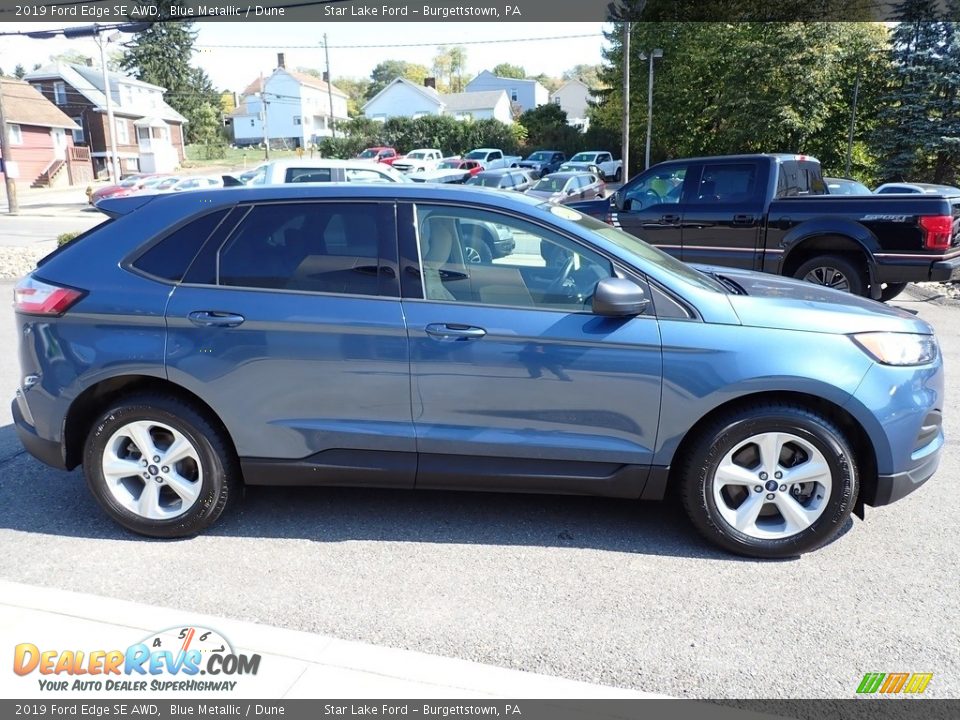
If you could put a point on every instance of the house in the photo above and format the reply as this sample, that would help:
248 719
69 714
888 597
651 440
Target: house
528 94
574 99
147 132
41 140
403 98
297 109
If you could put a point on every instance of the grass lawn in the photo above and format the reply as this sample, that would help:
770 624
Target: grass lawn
235 158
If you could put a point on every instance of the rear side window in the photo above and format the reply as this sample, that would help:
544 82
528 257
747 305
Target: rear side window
727 183
318 247
170 258
299 175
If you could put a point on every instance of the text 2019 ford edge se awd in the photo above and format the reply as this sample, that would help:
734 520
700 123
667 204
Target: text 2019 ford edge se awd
337 335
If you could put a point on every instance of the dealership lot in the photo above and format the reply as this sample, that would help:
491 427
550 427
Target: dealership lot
607 591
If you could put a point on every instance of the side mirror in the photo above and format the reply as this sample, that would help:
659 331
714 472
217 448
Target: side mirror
619 297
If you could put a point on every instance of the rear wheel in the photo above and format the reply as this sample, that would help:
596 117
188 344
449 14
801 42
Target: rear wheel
476 252
834 271
770 482
891 290
159 467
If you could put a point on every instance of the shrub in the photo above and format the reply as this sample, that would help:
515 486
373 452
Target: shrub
64 238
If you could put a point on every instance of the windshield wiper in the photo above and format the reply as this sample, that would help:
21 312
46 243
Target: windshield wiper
729 284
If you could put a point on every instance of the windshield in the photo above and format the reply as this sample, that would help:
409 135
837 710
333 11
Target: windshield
477 155
539 156
550 184
584 157
636 246
417 155
368 154
449 164
129 182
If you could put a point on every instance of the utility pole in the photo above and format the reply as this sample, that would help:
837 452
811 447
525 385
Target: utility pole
654 54
13 207
625 144
326 52
853 122
113 162
266 133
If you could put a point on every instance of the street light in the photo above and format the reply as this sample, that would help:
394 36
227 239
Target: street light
113 164
654 54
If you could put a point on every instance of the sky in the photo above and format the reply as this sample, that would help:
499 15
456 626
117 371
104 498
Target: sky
232 68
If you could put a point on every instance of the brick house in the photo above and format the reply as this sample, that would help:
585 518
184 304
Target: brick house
148 132
40 135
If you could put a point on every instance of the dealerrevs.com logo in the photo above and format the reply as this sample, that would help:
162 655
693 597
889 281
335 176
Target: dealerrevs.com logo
171 660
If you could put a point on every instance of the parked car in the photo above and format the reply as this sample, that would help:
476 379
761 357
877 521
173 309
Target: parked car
484 242
419 160
845 186
335 335
386 155
772 213
450 170
913 188
567 187
129 184
493 159
594 160
504 179
544 162
196 182
278 172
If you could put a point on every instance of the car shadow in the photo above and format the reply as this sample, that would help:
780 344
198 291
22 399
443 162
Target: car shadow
37 499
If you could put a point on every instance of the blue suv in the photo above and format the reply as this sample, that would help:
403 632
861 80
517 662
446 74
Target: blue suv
343 335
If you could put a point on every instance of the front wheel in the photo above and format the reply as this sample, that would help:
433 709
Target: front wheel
159 467
476 252
773 481
618 175
834 271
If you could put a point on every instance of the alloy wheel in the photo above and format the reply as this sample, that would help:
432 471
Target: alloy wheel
829 276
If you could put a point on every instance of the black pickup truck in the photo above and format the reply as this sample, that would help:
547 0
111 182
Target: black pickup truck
773 213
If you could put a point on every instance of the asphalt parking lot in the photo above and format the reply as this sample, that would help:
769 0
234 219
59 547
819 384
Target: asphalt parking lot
620 593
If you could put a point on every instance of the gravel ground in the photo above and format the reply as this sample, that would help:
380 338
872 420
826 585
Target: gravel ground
16 262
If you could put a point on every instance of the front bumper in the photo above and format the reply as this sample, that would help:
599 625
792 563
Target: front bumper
46 451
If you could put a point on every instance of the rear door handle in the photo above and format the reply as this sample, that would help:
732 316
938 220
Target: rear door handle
449 332
670 219
215 318
743 220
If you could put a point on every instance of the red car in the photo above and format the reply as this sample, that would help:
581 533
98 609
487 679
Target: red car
126 186
380 154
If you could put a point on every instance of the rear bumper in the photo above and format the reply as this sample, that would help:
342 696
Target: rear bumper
916 269
946 270
46 451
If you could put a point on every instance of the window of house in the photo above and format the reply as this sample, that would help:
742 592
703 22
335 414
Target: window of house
78 134
60 93
123 136
315 247
556 100
16 135
513 94
143 133
297 120
251 122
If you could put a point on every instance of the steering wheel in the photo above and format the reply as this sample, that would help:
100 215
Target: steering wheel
557 287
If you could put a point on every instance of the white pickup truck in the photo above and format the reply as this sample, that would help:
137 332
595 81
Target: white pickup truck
609 168
418 160
280 172
492 158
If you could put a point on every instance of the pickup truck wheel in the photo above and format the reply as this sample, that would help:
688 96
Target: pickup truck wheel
618 175
476 252
891 290
833 271
771 481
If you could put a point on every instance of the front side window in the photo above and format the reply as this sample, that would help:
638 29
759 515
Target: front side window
660 187
545 270
315 247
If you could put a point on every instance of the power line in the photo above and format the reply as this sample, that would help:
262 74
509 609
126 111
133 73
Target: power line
66 31
399 45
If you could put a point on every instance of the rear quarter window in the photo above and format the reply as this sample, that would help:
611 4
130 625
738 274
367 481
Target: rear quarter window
170 257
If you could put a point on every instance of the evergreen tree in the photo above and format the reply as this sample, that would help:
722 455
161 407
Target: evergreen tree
161 56
19 71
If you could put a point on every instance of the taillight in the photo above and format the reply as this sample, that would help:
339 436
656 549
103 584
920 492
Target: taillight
39 298
937 231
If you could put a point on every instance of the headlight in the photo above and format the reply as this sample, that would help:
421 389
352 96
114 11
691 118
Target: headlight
892 348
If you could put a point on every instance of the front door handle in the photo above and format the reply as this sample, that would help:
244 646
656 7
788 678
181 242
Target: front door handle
215 318
670 219
449 332
742 220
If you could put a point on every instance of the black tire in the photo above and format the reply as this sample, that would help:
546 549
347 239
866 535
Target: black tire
618 175
220 469
891 290
826 267
724 434
484 256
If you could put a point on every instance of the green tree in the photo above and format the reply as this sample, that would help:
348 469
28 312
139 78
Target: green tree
509 71
389 70
19 71
161 55
72 57
356 90
589 75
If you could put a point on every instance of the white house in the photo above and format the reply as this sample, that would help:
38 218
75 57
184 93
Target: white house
528 94
574 98
403 98
297 109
